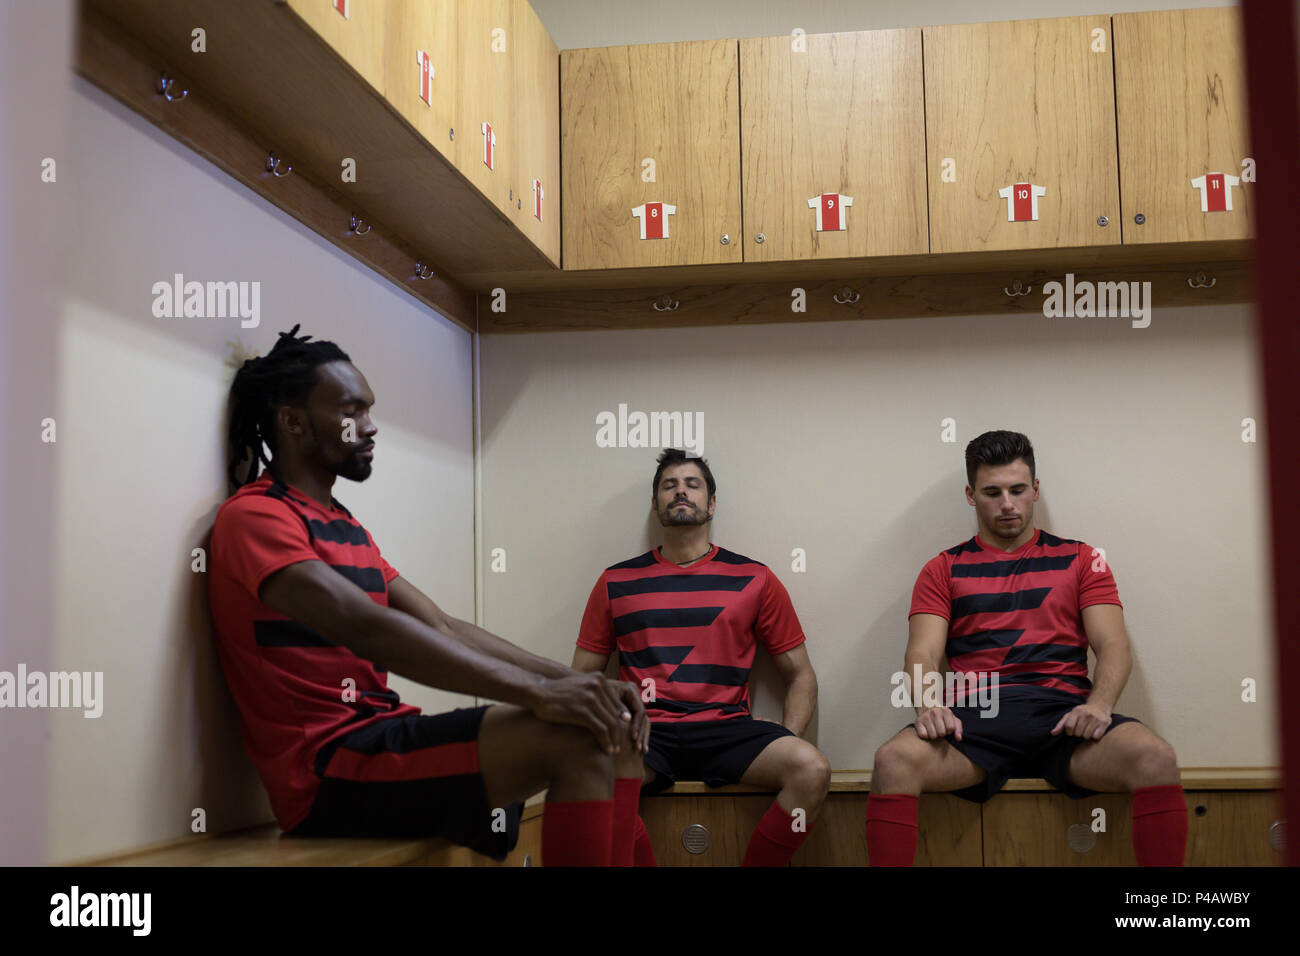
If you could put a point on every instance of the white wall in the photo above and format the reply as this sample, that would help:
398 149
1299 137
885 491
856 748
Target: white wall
141 467
827 437
35 43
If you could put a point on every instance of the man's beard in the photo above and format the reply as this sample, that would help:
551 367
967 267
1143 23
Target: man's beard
355 468
675 517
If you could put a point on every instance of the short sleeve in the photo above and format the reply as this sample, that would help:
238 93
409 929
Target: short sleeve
777 625
388 570
256 536
1096 582
932 593
596 634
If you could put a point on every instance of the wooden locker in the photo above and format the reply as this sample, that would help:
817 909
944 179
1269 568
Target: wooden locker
537 131
1233 828
486 51
1025 102
1050 829
671 110
358 37
831 115
1180 92
416 30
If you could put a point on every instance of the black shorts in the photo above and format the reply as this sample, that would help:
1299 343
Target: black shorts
411 776
715 751
1018 742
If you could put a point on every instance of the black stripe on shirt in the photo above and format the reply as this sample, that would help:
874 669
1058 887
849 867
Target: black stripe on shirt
981 641
1083 682
710 674
730 557
652 656
1052 541
1026 600
689 707
665 618
678 583
368 579
971 546
1002 569
288 634
1031 653
339 531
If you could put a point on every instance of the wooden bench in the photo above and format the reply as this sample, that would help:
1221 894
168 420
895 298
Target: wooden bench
1232 821
264 845
1232 815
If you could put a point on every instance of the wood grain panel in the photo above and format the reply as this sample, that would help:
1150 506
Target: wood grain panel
486 47
883 297
1032 829
359 37
1232 829
674 103
537 130
729 819
1180 93
428 26
845 115
1024 101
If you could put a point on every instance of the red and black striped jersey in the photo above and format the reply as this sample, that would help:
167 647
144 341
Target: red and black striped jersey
294 689
1019 613
690 632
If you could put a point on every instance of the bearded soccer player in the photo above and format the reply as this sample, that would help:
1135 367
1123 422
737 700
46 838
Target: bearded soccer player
309 617
685 620
1024 605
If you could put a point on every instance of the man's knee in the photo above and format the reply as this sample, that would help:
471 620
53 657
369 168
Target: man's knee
1156 765
628 761
567 748
896 761
810 772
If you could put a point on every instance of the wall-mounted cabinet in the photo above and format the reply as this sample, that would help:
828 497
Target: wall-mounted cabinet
535 178
1180 92
1020 135
833 145
485 144
650 136
421 75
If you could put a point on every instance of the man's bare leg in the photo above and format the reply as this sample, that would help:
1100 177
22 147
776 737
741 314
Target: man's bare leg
520 755
905 767
1132 757
801 774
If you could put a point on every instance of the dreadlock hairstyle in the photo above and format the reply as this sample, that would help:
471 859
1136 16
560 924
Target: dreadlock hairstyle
284 376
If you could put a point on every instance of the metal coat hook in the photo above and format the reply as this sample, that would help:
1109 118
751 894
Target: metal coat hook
356 224
167 86
1201 281
669 303
423 272
849 296
1016 288
273 166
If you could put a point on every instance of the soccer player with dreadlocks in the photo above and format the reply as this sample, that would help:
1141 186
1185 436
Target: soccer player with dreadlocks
309 618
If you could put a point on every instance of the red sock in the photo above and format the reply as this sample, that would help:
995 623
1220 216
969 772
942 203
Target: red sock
627 791
1160 825
891 829
577 833
643 852
775 840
